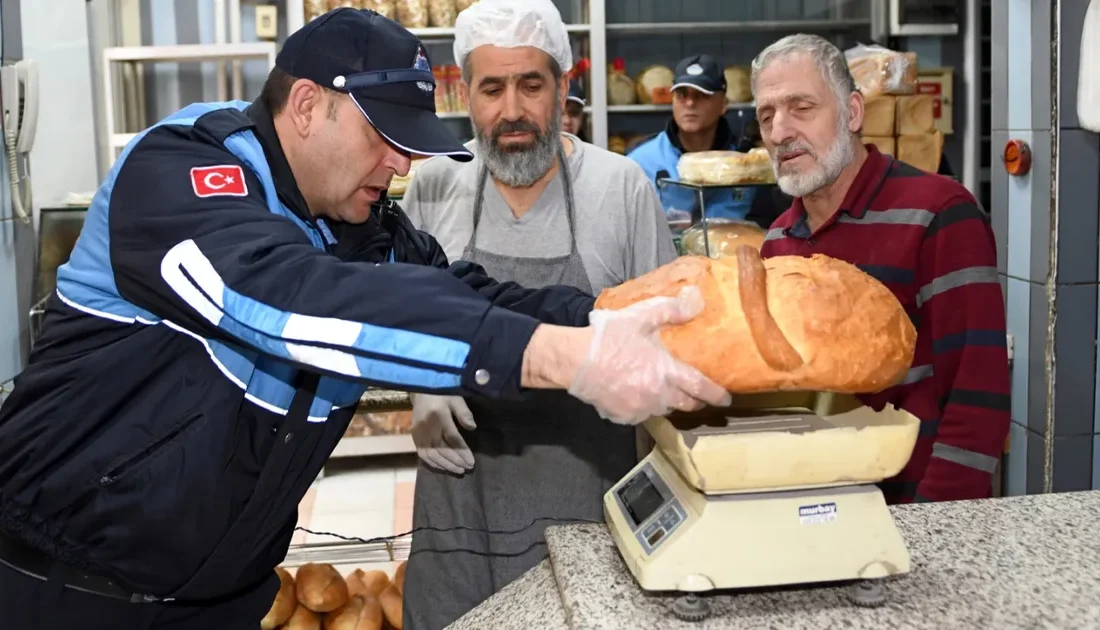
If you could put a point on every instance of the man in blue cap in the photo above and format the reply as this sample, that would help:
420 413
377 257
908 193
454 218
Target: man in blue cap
572 117
223 311
698 123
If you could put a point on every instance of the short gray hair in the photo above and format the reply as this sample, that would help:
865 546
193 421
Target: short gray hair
826 56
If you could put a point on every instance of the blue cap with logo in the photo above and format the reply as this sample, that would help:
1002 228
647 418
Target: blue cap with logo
385 70
700 72
576 94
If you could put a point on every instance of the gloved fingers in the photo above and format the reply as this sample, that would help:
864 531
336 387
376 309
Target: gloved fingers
438 459
456 451
462 413
693 383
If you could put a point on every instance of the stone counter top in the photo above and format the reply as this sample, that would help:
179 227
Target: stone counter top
1023 562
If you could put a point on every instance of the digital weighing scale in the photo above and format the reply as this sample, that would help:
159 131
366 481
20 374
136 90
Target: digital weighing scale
777 489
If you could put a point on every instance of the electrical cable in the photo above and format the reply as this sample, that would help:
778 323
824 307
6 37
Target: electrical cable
494 532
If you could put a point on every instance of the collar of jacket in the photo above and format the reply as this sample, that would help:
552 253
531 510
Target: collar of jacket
368 241
285 184
723 137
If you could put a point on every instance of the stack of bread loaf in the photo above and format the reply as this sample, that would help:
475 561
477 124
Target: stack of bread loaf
896 119
317 597
726 168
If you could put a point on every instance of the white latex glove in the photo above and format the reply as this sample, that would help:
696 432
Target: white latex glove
435 435
629 376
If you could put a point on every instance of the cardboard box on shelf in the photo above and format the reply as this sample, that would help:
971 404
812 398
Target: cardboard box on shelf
938 83
923 150
885 144
879 116
916 114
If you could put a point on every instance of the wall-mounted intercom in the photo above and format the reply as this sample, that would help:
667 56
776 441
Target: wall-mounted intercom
19 99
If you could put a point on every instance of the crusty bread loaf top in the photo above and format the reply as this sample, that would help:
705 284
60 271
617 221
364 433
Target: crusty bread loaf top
785 323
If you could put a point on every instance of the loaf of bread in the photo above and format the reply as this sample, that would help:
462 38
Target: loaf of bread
390 598
370 583
915 114
620 87
886 145
654 85
360 613
879 116
399 578
924 150
879 70
781 324
723 236
387 8
285 602
303 619
738 88
441 13
321 588
726 168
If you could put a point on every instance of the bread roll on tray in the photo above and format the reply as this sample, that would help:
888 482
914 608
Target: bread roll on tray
321 588
785 323
303 619
360 613
285 602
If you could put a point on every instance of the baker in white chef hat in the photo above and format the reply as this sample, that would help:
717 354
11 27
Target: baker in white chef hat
536 206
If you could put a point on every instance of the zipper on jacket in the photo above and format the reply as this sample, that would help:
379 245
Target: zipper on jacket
116 471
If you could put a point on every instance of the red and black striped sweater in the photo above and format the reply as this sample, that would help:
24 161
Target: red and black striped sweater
925 237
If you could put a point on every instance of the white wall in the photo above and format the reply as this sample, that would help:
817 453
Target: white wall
63 160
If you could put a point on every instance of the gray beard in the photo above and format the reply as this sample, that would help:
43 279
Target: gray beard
521 166
830 164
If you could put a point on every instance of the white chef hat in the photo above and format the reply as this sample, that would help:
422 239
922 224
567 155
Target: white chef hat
513 24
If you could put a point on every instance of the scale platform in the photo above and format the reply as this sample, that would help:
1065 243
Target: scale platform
777 489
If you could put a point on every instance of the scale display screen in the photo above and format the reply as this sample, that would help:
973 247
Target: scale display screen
640 497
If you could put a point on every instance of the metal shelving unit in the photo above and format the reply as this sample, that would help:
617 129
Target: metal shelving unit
130 55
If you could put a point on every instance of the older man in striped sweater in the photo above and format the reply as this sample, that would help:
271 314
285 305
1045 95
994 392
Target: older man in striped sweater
921 234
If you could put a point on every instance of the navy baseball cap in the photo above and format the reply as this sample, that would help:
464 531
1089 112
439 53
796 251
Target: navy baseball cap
385 70
576 94
700 72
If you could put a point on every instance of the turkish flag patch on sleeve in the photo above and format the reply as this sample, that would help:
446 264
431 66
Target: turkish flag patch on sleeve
217 181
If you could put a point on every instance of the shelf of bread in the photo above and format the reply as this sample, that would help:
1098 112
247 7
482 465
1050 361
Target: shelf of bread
427 19
900 118
315 594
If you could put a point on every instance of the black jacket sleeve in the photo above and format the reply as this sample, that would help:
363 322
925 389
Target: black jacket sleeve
558 304
228 267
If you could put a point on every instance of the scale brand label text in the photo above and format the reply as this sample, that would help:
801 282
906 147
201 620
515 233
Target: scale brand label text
817 514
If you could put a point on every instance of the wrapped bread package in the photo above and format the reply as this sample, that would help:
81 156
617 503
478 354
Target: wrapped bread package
441 13
880 115
462 5
738 89
412 13
654 85
726 168
886 145
924 150
723 236
915 114
879 70
781 324
386 8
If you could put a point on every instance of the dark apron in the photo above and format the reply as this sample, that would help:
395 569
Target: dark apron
549 455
